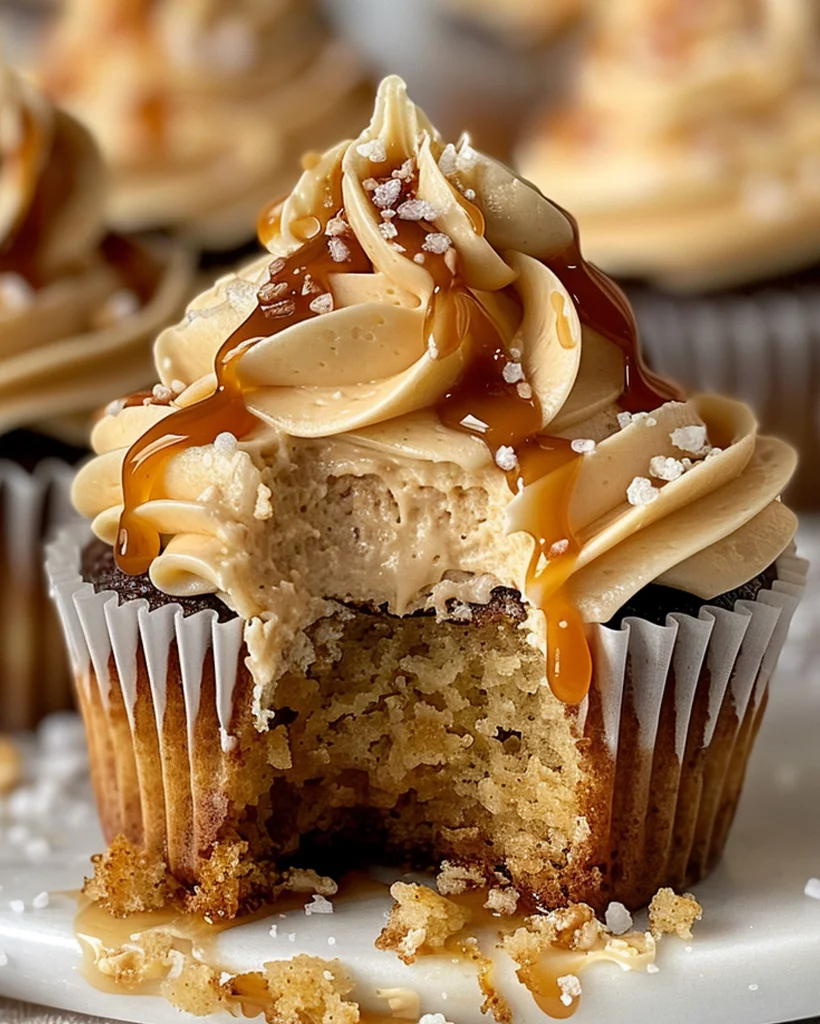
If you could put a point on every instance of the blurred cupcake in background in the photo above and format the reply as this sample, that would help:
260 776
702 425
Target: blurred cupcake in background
202 108
690 155
521 22
79 308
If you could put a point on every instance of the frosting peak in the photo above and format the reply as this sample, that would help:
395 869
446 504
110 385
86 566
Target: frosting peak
424 328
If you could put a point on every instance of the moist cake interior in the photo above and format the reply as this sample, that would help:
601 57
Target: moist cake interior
415 741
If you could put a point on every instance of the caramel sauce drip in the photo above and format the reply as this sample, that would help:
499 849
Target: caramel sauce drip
283 301
482 403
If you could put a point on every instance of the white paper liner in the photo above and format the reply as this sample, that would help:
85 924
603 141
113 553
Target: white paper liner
763 348
719 662
35 676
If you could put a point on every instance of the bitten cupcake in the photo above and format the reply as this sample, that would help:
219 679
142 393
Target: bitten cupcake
422 564
203 109
78 310
689 152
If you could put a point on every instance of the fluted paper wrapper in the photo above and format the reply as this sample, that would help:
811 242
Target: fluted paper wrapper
669 721
763 348
35 674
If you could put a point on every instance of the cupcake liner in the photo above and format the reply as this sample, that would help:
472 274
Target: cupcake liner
36 679
667 726
763 348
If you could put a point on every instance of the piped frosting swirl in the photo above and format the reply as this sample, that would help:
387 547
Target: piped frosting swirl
202 108
77 305
424 319
688 149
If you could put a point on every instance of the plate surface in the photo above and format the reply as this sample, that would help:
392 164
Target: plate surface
755 958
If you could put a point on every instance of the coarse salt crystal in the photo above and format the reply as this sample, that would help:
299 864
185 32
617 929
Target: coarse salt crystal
417 209
327 975
448 160
336 226
178 386
419 258
524 390
641 491
375 150
40 901
331 941
339 252
225 443
570 988
560 547
753 987
115 408
690 439
320 905
812 888
387 194
436 241
624 419
272 931
652 968
388 229
665 468
322 303
618 919
406 171
582 445
17 906
162 393
469 194
506 459
513 373
434 1018
291 936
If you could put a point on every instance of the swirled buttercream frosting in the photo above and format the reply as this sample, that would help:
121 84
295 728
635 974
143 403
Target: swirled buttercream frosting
688 149
78 306
422 392
202 108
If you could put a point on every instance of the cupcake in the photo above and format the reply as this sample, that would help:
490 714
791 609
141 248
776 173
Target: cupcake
202 109
422 565
78 310
689 154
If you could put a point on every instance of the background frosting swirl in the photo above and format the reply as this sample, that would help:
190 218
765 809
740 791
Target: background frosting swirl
357 384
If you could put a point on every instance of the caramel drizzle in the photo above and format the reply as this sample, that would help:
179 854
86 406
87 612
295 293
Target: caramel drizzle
482 403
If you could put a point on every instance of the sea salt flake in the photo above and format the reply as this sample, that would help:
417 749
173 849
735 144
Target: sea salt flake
665 468
309 286
560 547
272 931
17 906
320 905
690 439
406 171
387 214
570 988
387 194
336 226
618 919
339 252
225 443
506 459
434 1018
162 393
524 390
624 419
327 975
419 258
582 445
469 195
417 209
277 310
374 150
40 901
652 968
448 160
331 941
115 408
322 303
370 184
436 241
388 229
178 386
812 888
291 936
513 373
641 491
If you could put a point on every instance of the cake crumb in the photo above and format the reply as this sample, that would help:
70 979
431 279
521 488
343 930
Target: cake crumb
263 508
196 989
502 901
420 922
11 769
308 881
128 881
670 914
455 879
146 959
812 888
310 989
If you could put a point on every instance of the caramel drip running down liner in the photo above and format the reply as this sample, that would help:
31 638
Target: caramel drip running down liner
481 403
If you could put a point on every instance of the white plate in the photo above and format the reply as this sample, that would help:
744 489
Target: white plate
755 958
